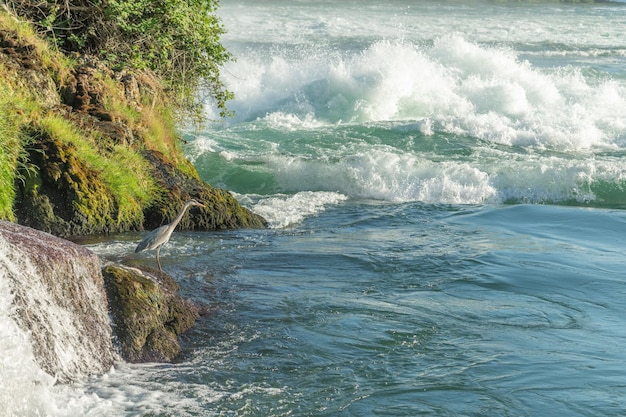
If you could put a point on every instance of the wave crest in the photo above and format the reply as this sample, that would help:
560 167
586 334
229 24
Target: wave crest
461 87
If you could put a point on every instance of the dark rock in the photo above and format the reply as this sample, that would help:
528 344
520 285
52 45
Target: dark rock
131 89
222 212
161 346
81 90
147 312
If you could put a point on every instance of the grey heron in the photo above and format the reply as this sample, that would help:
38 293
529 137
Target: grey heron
159 236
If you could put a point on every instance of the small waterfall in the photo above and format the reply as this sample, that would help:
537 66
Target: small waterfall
54 325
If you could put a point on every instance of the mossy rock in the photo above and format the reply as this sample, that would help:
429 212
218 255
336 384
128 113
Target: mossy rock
222 212
59 194
161 346
147 313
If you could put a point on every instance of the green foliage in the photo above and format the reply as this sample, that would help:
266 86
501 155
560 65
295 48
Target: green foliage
179 40
73 25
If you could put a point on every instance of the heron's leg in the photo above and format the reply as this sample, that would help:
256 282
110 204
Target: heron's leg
157 258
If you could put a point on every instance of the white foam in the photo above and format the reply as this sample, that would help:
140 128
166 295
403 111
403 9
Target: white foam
385 174
487 175
304 72
452 87
135 389
291 122
24 387
463 87
282 211
196 148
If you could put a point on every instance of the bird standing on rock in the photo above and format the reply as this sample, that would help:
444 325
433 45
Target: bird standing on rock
159 236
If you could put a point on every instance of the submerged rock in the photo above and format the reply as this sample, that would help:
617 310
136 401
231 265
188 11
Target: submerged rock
60 301
148 313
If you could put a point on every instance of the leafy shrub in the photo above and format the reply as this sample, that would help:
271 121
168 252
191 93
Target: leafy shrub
179 40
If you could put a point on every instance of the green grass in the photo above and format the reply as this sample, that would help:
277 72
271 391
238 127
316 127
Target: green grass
25 118
121 168
15 103
9 149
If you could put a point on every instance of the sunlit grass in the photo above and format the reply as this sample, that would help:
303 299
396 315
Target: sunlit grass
9 149
160 124
16 105
122 169
25 118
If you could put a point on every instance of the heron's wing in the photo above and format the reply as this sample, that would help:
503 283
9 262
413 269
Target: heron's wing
155 238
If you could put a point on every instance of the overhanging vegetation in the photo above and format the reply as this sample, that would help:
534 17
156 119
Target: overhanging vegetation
178 40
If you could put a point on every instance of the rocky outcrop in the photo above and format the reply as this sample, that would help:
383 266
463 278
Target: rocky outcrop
63 298
147 312
60 301
61 191
222 212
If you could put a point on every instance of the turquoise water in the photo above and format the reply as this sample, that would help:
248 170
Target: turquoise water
387 309
445 186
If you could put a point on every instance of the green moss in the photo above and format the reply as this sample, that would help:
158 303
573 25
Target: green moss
161 346
147 312
62 178
138 308
113 183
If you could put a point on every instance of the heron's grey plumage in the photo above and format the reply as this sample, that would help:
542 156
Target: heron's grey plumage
159 236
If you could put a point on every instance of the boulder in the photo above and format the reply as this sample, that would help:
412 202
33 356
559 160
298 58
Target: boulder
222 212
148 314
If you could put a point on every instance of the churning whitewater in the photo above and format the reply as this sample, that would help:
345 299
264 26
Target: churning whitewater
445 185
427 113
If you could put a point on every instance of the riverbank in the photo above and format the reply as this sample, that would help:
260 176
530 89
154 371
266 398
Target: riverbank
87 150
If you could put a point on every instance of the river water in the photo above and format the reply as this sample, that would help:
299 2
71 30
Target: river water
445 186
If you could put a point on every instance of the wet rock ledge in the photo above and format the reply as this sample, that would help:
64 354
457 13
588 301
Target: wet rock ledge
64 297
59 300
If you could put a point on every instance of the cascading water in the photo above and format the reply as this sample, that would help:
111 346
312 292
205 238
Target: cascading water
54 325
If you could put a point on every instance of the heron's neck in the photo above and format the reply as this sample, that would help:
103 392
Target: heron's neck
180 216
